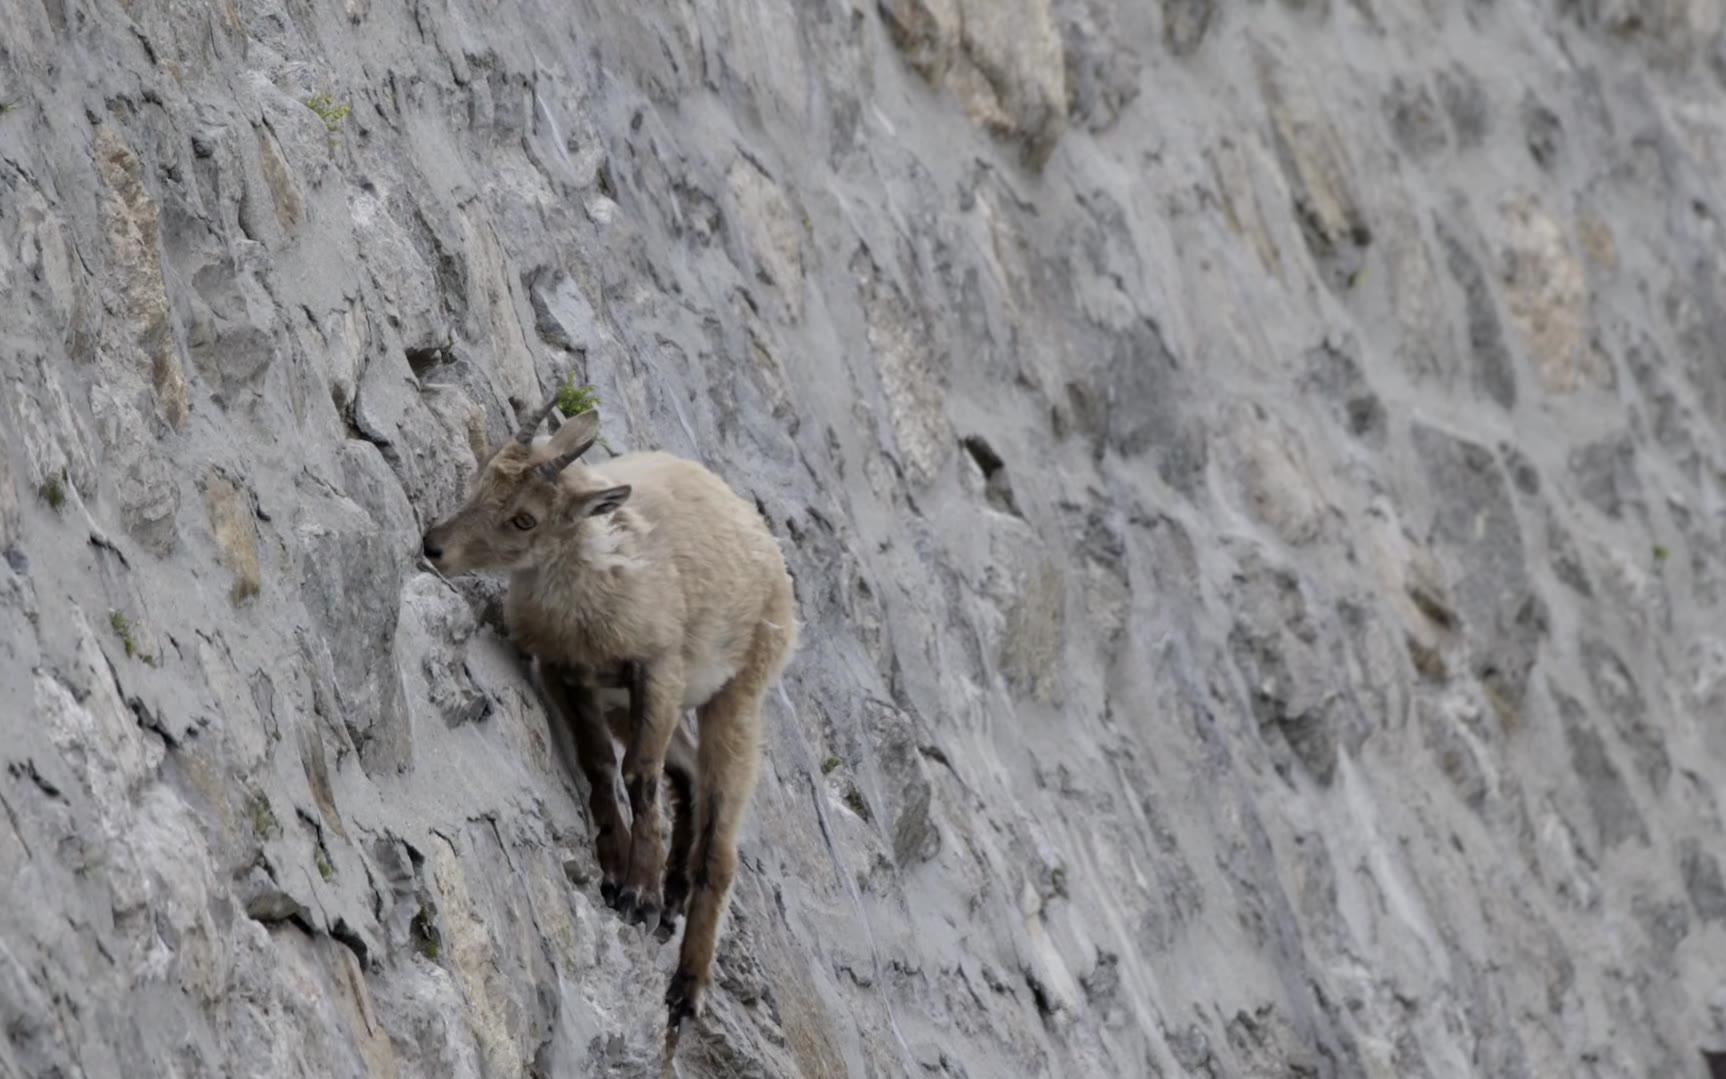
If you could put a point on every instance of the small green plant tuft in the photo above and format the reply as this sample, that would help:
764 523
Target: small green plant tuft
54 492
325 869
828 765
573 400
122 627
1661 554
8 106
264 823
331 113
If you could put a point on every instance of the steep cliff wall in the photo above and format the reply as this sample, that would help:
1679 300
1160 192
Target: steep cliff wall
1253 473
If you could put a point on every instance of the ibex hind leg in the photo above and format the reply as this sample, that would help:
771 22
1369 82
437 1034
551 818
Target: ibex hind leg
726 761
726 781
680 785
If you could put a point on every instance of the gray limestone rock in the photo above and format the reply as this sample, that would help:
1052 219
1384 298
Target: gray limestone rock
1253 474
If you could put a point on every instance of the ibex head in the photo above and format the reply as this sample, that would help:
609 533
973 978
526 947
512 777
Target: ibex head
526 503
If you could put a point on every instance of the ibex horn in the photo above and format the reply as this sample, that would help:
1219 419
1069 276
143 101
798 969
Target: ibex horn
529 426
550 469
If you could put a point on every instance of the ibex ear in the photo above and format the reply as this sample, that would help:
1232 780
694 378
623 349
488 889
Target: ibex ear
573 438
602 502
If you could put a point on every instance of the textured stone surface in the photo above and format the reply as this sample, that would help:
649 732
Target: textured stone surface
1253 474
1002 59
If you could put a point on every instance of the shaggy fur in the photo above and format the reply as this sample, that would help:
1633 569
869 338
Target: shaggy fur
651 577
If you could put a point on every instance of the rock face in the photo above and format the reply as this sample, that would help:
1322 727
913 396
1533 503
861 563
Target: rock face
1254 474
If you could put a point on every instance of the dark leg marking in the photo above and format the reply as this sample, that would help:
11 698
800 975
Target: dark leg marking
684 996
597 760
635 679
704 853
681 999
643 790
682 797
635 903
639 901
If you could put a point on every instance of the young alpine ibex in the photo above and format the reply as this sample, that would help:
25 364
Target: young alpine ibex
651 576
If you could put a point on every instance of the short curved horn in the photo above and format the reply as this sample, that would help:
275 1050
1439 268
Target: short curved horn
524 434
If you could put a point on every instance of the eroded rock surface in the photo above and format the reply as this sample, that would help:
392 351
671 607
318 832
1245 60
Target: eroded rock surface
1253 474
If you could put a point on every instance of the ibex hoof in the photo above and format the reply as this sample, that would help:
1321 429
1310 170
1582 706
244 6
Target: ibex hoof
638 909
684 999
676 894
667 925
608 891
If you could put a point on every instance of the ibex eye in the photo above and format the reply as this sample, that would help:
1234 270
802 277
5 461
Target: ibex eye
523 521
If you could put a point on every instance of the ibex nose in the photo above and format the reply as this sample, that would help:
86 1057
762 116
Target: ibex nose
431 548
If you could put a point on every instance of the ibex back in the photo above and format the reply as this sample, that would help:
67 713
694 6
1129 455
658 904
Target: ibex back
648 575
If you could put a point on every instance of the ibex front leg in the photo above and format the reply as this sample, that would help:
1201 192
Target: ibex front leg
655 698
597 759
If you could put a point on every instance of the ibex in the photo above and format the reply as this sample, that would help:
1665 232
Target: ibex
649 575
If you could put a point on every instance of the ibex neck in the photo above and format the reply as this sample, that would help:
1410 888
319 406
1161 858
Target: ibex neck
568 611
